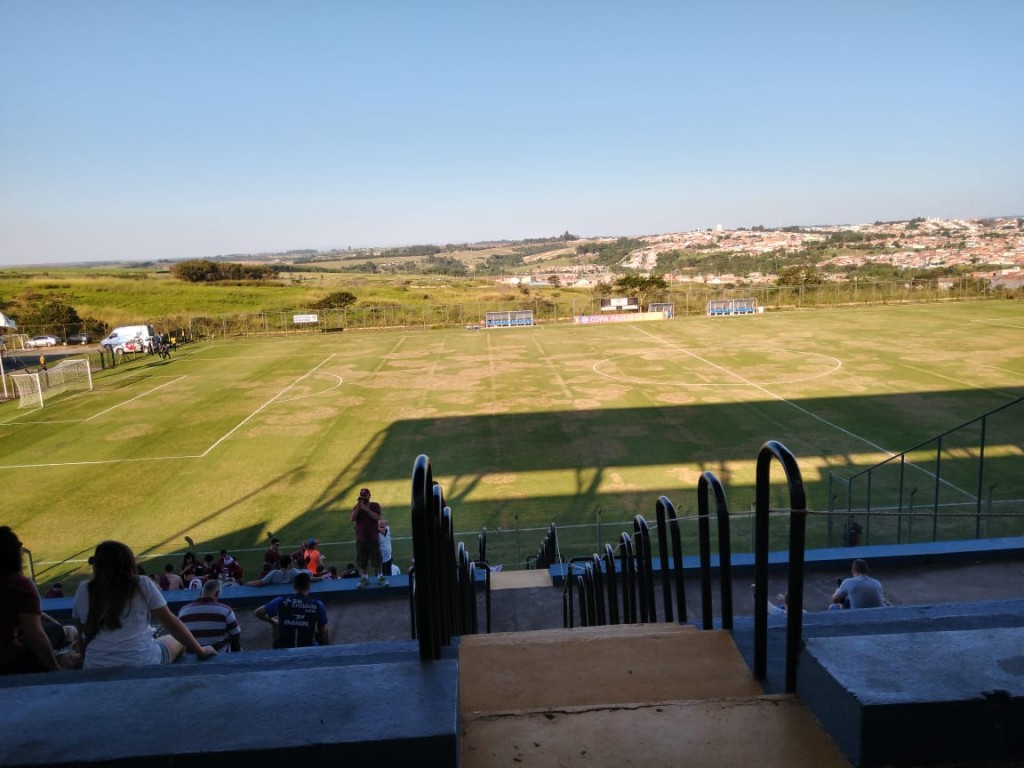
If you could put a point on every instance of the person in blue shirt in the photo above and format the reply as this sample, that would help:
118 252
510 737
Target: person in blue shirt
860 590
299 620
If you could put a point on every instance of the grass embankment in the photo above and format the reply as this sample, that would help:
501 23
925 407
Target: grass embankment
127 296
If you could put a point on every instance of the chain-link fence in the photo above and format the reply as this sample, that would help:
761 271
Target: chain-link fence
687 299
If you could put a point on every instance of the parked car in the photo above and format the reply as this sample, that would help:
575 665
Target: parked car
79 338
42 341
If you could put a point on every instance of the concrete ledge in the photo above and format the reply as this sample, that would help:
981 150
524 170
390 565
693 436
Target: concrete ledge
980 617
295 659
336 590
915 699
241 708
971 550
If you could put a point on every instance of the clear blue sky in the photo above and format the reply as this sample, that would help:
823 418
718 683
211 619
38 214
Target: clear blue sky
138 130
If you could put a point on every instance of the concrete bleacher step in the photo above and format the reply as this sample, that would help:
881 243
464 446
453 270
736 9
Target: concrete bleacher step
295 659
660 694
919 698
765 731
598 665
261 707
907 619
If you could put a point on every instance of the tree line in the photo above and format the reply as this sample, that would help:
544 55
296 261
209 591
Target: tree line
205 271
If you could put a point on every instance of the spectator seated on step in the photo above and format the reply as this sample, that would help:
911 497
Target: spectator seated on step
284 575
299 621
860 590
212 622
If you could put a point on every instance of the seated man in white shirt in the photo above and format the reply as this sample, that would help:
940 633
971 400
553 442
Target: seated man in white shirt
283 575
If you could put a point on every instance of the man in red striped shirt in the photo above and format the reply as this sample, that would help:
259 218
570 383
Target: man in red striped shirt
211 621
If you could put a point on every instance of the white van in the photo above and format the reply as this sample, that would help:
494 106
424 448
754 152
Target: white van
131 338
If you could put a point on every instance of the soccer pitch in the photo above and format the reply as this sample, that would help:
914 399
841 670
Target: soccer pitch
578 425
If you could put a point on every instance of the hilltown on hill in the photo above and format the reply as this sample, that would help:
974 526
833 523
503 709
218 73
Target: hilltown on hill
996 243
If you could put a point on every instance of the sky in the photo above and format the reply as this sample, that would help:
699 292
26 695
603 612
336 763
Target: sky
151 130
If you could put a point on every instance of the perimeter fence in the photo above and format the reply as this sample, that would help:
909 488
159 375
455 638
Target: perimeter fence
688 299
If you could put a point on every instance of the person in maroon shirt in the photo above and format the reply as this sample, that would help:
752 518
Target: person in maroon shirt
272 556
365 515
24 646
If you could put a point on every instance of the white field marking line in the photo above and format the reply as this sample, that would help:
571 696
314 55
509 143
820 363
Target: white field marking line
314 394
768 393
132 400
170 458
493 378
269 402
91 463
997 323
997 369
95 415
794 405
965 384
626 380
550 365
262 357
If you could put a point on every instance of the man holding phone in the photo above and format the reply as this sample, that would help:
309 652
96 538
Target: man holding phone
365 515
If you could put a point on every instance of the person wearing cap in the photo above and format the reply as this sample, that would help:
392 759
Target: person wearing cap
365 515
314 560
229 569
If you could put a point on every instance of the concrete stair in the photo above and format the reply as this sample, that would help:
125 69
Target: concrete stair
651 695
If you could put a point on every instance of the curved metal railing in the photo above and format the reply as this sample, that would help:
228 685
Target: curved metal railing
775 451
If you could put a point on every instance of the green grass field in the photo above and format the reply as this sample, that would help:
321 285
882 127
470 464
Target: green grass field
580 425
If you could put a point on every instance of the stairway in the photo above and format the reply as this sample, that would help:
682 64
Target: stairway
651 695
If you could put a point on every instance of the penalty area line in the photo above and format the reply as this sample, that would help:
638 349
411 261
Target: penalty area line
267 404
132 400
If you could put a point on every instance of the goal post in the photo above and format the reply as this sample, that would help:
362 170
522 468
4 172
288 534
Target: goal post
29 389
72 374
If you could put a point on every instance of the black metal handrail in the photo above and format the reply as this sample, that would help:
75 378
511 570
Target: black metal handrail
548 553
572 570
629 579
425 560
481 562
797 541
708 480
610 584
443 594
467 609
644 570
668 528
583 584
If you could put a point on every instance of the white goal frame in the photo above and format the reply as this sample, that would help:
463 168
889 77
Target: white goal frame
73 373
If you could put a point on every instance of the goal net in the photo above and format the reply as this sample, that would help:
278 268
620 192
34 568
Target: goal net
68 375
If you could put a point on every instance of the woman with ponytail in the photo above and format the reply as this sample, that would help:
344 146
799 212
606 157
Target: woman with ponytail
114 610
